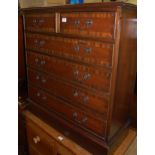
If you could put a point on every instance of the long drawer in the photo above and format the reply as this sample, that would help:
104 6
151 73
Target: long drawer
88 76
71 113
75 95
40 22
88 24
81 50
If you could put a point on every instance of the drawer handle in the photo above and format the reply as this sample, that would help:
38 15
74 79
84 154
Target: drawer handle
36 41
85 99
76 73
88 50
37 21
76 93
41 21
37 77
44 98
84 120
36 139
43 80
39 43
77 48
38 94
89 22
36 60
77 22
86 76
43 62
42 42
74 115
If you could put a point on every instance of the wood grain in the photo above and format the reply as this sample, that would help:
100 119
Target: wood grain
67 143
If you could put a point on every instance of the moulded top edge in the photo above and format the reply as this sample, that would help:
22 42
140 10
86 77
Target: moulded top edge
104 5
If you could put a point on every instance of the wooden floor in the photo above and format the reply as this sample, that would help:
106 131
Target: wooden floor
129 145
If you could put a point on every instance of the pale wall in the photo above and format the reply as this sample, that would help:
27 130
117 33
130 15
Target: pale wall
31 3
128 1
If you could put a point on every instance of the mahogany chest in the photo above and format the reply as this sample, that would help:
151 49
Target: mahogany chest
81 70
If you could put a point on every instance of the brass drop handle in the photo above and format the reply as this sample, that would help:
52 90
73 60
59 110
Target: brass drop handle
77 48
76 93
35 21
36 41
85 99
38 94
75 115
88 50
84 120
36 60
39 43
89 22
77 22
43 80
76 73
86 76
38 21
37 77
41 21
44 98
36 139
43 62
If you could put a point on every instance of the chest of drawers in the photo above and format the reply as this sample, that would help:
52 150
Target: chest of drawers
81 67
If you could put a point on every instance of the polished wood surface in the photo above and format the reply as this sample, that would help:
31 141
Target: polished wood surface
67 111
50 141
88 24
82 68
88 76
71 93
96 53
40 22
39 140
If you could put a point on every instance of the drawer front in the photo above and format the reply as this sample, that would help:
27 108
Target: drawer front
39 140
75 95
71 113
86 51
33 151
62 151
89 24
44 22
88 76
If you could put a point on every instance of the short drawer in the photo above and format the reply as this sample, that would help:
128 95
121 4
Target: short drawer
39 142
71 113
62 150
90 52
44 22
33 151
87 76
88 24
71 93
